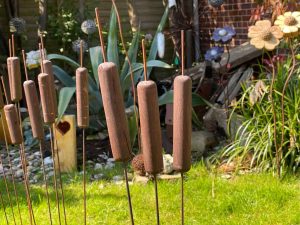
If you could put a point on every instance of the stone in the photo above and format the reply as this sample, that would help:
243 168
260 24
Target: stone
111 160
109 165
98 166
168 163
117 178
201 141
48 161
19 173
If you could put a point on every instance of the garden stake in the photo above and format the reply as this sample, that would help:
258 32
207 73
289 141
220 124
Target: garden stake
82 99
36 123
7 191
150 128
8 156
49 118
1 162
115 114
131 74
47 68
11 114
3 206
182 125
100 33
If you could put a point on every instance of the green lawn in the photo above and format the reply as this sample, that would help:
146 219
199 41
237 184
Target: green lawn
246 199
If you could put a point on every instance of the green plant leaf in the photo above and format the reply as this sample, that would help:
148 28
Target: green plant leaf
132 54
65 96
62 75
112 42
96 60
66 59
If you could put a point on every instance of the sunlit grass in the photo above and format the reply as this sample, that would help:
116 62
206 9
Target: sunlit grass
246 199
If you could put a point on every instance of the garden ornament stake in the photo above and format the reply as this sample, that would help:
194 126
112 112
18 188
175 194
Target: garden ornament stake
131 73
100 34
49 118
36 122
114 110
48 69
82 99
150 128
182 125
12 114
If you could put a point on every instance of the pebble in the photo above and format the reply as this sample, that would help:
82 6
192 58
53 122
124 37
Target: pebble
98 166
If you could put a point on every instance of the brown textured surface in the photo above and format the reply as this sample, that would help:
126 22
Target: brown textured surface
49 70
14 73
34 109
13 124
150 127
46 98
182 124
82 97
114 111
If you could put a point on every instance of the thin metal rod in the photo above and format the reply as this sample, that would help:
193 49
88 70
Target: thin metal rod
54 175
9 46
182 52
4 90
60 179
84 174
42 57
4 209
11 170
81 53
24 167
45 181
156 200
182 200
100 34
128 194
144 59
43 48
13 45
7 190
24 62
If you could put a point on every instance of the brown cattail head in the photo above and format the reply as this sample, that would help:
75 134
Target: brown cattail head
34 109
82 97
150 126
14 75
182 123
47 65
46 98
114 111
13 123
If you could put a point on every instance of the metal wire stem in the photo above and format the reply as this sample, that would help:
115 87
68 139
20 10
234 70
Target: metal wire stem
128 194
156 200
182 200
60 179
45 181
3 206
84 174
11 170
54 175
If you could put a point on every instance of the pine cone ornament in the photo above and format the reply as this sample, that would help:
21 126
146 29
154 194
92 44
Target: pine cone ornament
17 25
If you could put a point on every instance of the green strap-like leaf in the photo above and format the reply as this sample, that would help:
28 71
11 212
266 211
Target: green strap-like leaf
167 98
112 43
66 59
65 96
96 60
62 75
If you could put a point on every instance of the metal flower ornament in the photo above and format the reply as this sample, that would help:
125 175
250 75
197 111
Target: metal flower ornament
214 53
289 23
223 35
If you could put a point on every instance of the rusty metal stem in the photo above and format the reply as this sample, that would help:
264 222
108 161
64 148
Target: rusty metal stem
128 194
54 175
46 183
84 174
156 200
60 179
182 200
24 167
7 190
11 170
3 206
